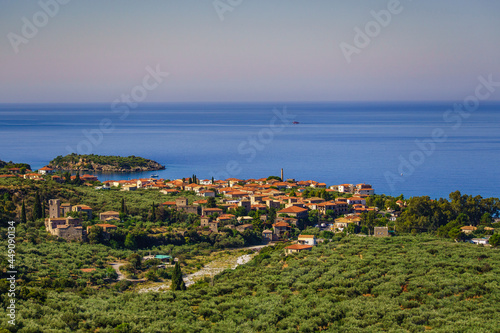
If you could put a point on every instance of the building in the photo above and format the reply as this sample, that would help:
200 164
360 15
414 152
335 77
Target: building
210 211
343 222
207 193
294 211
45 170
56 209
307 240
282 229
468 229
297 248
481 241
204 221
106 228
83 208
272 204
243 227
67 228
380 232
89 178
246 204
107 216
267 235
343 188
356 201
214 226
182 204
129 187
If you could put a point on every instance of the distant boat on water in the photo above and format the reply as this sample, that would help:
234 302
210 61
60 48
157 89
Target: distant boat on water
154 176
295 123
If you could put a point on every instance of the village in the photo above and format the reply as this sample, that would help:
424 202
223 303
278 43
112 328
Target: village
284 197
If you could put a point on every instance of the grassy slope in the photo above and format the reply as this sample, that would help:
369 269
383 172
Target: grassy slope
396 284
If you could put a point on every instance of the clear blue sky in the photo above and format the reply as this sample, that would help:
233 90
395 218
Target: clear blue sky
264 50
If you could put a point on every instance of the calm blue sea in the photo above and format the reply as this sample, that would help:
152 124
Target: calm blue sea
335 143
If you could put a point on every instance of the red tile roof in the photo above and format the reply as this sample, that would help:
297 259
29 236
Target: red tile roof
299 247
292 209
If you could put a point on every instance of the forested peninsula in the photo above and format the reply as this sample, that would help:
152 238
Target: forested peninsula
75 162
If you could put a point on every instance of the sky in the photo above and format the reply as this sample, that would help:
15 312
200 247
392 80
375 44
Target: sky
246 50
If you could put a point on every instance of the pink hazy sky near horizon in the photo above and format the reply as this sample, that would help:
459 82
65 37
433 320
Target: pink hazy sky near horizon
283 50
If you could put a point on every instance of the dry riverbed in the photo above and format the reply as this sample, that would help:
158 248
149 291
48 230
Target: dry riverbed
216 266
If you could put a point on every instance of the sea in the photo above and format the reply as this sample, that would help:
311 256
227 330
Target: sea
409 148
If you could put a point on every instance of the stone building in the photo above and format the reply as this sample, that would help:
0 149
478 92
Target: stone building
380 232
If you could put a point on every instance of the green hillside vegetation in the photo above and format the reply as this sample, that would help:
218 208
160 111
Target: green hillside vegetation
79 162
353 284
4 166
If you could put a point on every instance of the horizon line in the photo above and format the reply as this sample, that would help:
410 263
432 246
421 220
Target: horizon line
251 102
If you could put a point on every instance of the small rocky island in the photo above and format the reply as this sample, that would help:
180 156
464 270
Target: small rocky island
99 163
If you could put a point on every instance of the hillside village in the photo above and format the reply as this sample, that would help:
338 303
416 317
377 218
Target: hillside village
257 195
280 206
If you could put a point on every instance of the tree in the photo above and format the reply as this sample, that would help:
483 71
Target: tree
455 233
23 213
130 242
77 180
351 228
257 223
37 207
152 275
495 240
124 207
96 235
153 213
67 177
135 261
486 219
177 281
211 202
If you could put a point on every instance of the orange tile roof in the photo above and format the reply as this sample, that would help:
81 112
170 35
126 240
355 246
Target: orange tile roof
299 247
293 209
105 225
281 224
468 227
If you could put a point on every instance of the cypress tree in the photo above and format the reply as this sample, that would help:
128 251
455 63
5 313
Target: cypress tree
37 207
124 208
43 209
177 281
153 213
213 181
77 179
23 213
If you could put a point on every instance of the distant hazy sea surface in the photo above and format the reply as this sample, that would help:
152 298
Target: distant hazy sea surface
333 143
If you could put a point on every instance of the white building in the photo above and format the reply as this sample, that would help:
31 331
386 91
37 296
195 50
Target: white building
307 240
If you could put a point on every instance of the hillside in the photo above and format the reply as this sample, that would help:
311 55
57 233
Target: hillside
354 284
11 164
104 163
